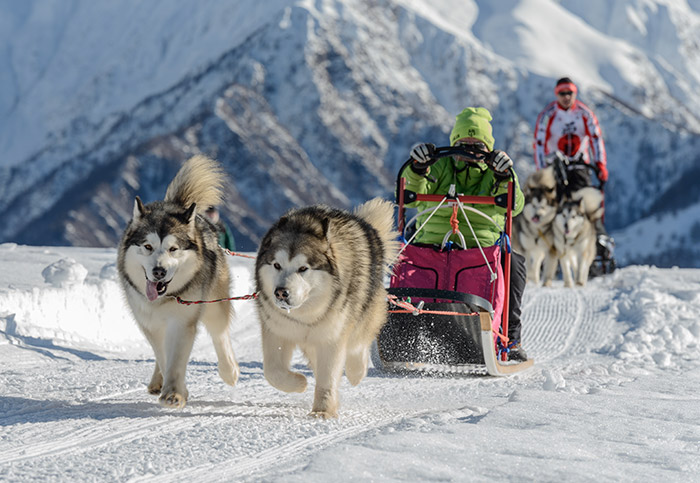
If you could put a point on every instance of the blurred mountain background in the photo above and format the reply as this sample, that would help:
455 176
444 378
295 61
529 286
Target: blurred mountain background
320 101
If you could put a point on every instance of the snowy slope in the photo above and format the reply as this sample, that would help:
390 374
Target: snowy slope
611 396
308 102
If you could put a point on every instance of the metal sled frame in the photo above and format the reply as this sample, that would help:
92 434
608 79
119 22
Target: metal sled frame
474 321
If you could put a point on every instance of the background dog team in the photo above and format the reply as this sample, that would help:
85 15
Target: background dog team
557 229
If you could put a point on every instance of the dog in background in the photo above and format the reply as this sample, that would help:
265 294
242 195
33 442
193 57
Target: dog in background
532 229
320 281
170 249
575 237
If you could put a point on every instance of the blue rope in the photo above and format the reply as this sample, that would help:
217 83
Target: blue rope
504 242
503 349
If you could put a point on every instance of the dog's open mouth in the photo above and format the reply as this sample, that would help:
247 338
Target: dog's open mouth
536 218
284 306
155 289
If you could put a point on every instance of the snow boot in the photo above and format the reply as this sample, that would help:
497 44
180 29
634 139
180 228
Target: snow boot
517 353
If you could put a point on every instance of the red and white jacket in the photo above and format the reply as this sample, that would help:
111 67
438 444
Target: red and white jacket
571 131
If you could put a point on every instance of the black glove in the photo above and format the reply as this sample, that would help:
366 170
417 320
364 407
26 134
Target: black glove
499 162
423 155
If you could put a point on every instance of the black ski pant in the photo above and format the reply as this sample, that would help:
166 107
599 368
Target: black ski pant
518 278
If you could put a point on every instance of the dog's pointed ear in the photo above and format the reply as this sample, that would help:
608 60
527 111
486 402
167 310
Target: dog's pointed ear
325 226
189 215
139 209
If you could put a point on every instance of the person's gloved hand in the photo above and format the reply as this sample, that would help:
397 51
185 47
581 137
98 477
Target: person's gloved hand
499 162
423 155
602 172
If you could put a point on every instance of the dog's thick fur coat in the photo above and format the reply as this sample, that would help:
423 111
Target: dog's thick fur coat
320 282
168 249
532 229
575 237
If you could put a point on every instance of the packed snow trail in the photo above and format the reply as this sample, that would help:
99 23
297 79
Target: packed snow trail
253 427
563 321
74 405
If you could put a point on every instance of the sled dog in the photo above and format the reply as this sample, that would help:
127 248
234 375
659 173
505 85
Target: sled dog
319 275
169 249
575 237
532 229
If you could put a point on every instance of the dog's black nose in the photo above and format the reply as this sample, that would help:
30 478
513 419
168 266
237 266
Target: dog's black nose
159 273
281 293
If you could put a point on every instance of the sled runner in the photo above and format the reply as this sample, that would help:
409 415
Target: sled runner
448 308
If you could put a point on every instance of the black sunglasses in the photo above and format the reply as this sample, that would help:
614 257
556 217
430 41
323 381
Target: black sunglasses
477 150
472 146
567 93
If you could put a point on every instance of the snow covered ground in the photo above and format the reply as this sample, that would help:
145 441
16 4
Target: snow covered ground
613 395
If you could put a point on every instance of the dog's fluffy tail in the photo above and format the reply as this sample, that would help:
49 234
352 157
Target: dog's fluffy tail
542 178
591 201
200 181
380 214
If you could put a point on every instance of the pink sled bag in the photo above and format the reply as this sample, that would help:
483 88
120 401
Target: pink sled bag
456 270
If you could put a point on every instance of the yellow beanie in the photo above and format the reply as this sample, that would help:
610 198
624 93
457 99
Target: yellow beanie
473 122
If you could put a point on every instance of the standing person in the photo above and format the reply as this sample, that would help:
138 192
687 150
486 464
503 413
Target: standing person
569 126
489 177
225 235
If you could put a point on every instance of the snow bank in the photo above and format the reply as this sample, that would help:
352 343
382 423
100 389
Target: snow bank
660 308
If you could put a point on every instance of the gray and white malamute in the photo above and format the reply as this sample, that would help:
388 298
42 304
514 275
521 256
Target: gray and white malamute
575 237
169 249
319 275
532 229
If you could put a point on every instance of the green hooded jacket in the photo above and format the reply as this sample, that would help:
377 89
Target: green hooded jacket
469 180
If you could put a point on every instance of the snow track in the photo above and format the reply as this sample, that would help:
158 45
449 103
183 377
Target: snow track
90 418
560 321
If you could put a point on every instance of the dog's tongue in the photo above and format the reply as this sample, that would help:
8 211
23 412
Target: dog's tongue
151 290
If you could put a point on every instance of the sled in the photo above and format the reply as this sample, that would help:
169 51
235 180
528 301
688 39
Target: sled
448 308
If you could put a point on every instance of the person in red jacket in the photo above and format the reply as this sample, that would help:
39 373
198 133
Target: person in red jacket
568 126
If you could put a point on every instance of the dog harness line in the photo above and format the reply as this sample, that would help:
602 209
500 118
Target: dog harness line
199 302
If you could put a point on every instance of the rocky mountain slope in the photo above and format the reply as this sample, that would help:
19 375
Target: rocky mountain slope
320 102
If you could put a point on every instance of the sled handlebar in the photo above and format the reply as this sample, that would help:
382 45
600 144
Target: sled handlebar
562 159
470 154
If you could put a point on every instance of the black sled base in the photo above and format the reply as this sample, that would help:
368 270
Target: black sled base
441 343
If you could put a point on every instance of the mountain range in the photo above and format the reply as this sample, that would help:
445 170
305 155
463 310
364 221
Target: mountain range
320 101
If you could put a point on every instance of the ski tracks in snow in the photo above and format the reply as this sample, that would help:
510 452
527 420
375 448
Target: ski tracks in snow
560 321
253 430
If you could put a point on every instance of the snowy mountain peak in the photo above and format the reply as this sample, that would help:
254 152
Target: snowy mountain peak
307 102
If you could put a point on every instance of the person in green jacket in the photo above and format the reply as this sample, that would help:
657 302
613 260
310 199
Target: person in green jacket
226 239
486 174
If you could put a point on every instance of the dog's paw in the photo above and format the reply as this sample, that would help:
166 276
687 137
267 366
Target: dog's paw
356 366
155 387
173 400
295 382
287 381
229 374
323 414
325 404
